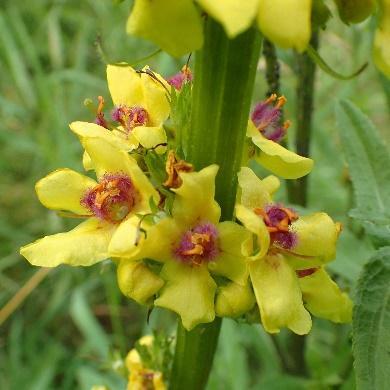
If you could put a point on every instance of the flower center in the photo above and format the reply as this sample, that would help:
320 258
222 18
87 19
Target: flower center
184 76
112 199
267 117
147 379
278 220
198 245
130 117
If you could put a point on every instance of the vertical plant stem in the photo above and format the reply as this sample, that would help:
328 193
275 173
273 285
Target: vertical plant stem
297 190
224 79
272 68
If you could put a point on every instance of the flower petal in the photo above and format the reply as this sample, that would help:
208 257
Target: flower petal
189 292
230 266
87 129
280 160
150 137
125 86
174 25
234 300
85 245
256 192
63 190
317 236
234 242
235 16
87 162
234 239
293 15
195 197
157 245
278 295
137 281
381 50
324 299
156 97
106 158
256 225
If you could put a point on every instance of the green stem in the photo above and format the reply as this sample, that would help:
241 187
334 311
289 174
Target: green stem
297 190
272 68
224 78
194 355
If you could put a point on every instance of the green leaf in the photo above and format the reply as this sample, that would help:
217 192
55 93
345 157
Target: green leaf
369 165
88 325
371 324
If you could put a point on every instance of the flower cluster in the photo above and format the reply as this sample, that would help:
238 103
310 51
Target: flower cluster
157 217
142 372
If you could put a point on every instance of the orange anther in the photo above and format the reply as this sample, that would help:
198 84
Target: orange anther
281 102
271 99
286 124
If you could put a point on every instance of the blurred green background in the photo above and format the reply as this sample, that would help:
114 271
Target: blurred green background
69 331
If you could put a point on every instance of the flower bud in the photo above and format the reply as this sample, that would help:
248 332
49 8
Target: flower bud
286 22
137 281
234 300
355 11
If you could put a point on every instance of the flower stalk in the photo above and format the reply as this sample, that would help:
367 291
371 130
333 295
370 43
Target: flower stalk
223 85
297 190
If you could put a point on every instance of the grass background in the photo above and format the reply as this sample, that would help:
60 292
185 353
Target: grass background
69 331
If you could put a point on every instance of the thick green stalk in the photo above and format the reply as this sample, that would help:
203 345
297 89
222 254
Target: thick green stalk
224 79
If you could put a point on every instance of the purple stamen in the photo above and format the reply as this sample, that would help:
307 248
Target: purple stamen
112 199
177 80
198 244
267 118
130 117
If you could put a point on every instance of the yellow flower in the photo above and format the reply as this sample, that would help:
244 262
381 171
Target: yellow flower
265 131
287 271
175 25
381 51
141 377
141 106
121 192
191 245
